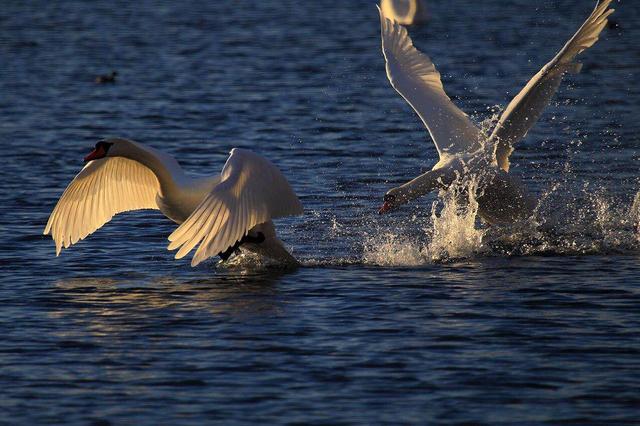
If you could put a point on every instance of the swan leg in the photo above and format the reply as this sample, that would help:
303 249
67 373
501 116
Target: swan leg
225 255
257 239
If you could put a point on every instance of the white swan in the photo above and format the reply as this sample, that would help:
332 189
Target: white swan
501 197
219 214
405 12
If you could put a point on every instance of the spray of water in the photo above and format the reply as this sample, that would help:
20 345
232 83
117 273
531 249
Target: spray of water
454 234
449 234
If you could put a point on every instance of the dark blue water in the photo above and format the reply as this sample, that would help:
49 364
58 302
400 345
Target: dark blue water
384 323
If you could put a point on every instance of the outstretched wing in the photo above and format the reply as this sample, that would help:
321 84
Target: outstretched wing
251 191
525 109
414 76
102 189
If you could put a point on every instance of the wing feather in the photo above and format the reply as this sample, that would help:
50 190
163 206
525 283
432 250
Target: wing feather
527 107
415 78
251 191
102 189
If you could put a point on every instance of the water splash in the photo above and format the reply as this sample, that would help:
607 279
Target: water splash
454 233
247 261
389 249
570 221
487 124
450 232
634 214
566 221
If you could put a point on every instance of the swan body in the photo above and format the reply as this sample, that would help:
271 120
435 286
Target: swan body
463 152
232 210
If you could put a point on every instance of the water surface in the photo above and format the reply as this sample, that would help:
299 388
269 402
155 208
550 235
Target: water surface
388 321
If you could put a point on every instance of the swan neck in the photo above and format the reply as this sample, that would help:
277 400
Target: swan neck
419 186
153 160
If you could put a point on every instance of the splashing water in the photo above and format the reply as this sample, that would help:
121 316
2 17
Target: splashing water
389 249
451 233
634 214
454 234
248 261
487 124
567 220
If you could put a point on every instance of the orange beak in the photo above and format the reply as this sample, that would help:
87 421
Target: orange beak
385 208
96 154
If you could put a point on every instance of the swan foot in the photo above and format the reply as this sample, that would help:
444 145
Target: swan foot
257 239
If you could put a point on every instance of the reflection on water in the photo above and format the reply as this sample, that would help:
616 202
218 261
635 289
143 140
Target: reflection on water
110 305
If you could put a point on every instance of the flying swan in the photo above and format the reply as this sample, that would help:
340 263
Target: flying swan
405 12
501 197
220 214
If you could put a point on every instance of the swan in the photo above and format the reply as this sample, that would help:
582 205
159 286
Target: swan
220 214
405 12
462 153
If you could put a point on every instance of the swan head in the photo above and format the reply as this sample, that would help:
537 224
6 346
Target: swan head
392 200
113 147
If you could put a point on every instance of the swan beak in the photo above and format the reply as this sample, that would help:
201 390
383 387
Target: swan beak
97 153
385 208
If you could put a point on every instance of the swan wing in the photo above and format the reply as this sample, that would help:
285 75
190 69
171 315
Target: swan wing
525 109
102 189
251 191
416 79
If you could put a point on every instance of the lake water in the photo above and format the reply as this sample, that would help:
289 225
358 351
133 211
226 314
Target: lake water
399 319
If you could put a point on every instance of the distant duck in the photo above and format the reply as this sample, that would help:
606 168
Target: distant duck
219 215
107 78
405 12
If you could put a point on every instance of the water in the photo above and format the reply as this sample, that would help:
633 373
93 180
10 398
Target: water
392 319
